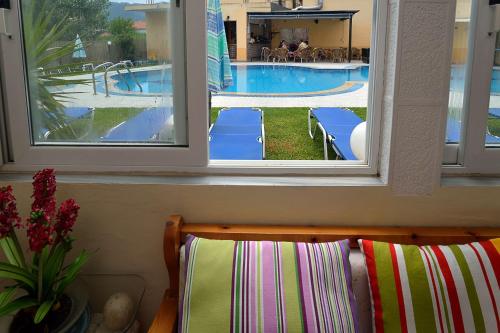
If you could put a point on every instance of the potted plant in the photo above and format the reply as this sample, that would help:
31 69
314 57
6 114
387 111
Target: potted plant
36 288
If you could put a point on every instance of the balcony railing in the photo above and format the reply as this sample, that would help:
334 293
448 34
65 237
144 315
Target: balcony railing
284 4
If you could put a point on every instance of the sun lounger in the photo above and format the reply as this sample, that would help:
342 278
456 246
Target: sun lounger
238 134
144 127
337 125
494 112
453 129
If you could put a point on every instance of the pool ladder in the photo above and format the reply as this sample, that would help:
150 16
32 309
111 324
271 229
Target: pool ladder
125 64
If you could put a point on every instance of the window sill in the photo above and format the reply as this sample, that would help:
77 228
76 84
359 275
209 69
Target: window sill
199 180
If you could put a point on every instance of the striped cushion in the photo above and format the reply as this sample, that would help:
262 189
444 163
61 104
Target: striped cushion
434 288
267 287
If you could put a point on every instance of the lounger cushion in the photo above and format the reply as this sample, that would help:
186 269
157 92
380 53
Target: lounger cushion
434 288
339 124
267 287
237 135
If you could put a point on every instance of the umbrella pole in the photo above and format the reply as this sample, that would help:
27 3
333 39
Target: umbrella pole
209 108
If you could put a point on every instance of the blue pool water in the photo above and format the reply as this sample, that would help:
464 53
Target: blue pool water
281 79
254 79
458 78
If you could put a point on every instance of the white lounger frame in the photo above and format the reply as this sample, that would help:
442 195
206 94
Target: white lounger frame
327 138
263 132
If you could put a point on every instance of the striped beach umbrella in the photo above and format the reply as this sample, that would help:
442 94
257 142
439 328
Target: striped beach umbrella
219 65
79 52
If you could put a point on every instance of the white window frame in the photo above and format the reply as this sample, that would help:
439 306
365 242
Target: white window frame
472 155
195 158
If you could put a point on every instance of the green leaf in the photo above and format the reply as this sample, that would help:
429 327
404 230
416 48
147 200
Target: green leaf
9 271
71 272
18 304
53 266
12 250
43 310
6 295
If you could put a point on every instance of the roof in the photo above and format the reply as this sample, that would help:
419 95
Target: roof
304 14
162 6
140 25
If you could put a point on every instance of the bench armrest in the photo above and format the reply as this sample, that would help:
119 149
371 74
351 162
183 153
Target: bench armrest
165 320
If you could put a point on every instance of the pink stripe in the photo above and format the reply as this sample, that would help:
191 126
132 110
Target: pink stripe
306 288
253 289
268 287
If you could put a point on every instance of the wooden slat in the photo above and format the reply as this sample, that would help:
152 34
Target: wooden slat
171 247
166 318
403 235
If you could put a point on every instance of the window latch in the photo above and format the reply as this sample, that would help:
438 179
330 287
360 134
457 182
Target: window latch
495 22
178 3
3 23
5 4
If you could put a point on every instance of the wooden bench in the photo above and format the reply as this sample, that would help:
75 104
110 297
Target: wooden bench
175 232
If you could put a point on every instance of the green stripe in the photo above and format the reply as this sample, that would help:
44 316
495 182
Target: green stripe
237 280
471 288
293 311
423 310
209 282
260 326
387 287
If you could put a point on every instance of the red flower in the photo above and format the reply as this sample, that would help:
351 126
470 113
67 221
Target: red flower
44 188
9 217
40 231
66 218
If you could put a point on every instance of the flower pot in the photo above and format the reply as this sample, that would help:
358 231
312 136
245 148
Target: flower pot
76 309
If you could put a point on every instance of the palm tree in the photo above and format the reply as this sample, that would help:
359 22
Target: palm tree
40 40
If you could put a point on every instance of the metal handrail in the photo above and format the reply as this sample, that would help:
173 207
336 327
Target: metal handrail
123 64
94 69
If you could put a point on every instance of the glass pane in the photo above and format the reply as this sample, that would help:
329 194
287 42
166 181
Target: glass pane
102 72
458 71
493 129
281 68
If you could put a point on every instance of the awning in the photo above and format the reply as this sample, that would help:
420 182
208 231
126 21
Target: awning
303 14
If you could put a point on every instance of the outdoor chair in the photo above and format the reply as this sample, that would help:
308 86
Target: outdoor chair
356 53
304 54
337 125
494 112
144 127
337 55
281 54
317 53
328 55
238 134
265 53
73 114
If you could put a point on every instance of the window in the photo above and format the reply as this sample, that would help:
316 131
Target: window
473 120
123 86
104 81
306 79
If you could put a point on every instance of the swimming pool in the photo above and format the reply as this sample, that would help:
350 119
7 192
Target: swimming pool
257 80
458 79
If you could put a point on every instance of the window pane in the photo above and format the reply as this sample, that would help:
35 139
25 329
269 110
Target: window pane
103 72
458 71
298 83
493 129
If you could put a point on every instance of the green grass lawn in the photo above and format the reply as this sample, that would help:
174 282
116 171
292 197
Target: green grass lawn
287 137
494 126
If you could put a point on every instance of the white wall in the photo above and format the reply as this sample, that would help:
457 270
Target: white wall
125 222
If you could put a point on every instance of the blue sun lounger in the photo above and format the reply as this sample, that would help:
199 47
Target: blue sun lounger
337 125
144 127
238 134
453 129
494 112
